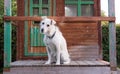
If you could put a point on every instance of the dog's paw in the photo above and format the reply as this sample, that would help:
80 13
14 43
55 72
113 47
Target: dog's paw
48 62
66 63
57 63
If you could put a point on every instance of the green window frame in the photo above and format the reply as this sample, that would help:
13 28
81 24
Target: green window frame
83 7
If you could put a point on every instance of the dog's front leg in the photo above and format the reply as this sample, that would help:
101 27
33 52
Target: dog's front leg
58 55
49 56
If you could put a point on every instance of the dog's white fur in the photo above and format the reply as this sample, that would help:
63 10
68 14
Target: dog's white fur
55 42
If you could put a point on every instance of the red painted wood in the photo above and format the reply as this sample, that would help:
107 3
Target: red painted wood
59 19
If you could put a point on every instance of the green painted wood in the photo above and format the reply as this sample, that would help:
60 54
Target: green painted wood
26 8
70 2
112 36
54 8
87 2
31 7
26 39
79 8
7 35
40 8
36 54
79 1
26 29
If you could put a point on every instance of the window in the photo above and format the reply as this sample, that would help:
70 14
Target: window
36 11
86 10
45 11
79 7
39 7
35 1
71 10
44 1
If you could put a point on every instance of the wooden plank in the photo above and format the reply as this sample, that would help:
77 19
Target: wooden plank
85 55
97 63
97 8
79 52
112 36
58 19
60 7
20 29
84 47
71 43
7 35
89 62
73 63
104 62
76 58
77 25
82 63
75 50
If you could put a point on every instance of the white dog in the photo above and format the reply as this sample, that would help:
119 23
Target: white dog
55 43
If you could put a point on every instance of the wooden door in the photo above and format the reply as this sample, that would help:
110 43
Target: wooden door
33 44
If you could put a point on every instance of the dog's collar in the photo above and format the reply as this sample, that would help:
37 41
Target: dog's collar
50 37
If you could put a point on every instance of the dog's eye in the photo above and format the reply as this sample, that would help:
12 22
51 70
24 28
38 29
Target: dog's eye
43 23
48 25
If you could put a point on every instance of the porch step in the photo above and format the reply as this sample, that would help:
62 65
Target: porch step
75 67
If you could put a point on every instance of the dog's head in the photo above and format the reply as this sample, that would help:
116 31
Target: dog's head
46 25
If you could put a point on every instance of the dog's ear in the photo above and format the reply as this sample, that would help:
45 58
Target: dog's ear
53 22
44 17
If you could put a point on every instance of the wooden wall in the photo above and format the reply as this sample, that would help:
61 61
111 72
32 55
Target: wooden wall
69 34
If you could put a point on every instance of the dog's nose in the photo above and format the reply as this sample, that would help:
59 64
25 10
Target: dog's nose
42 30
